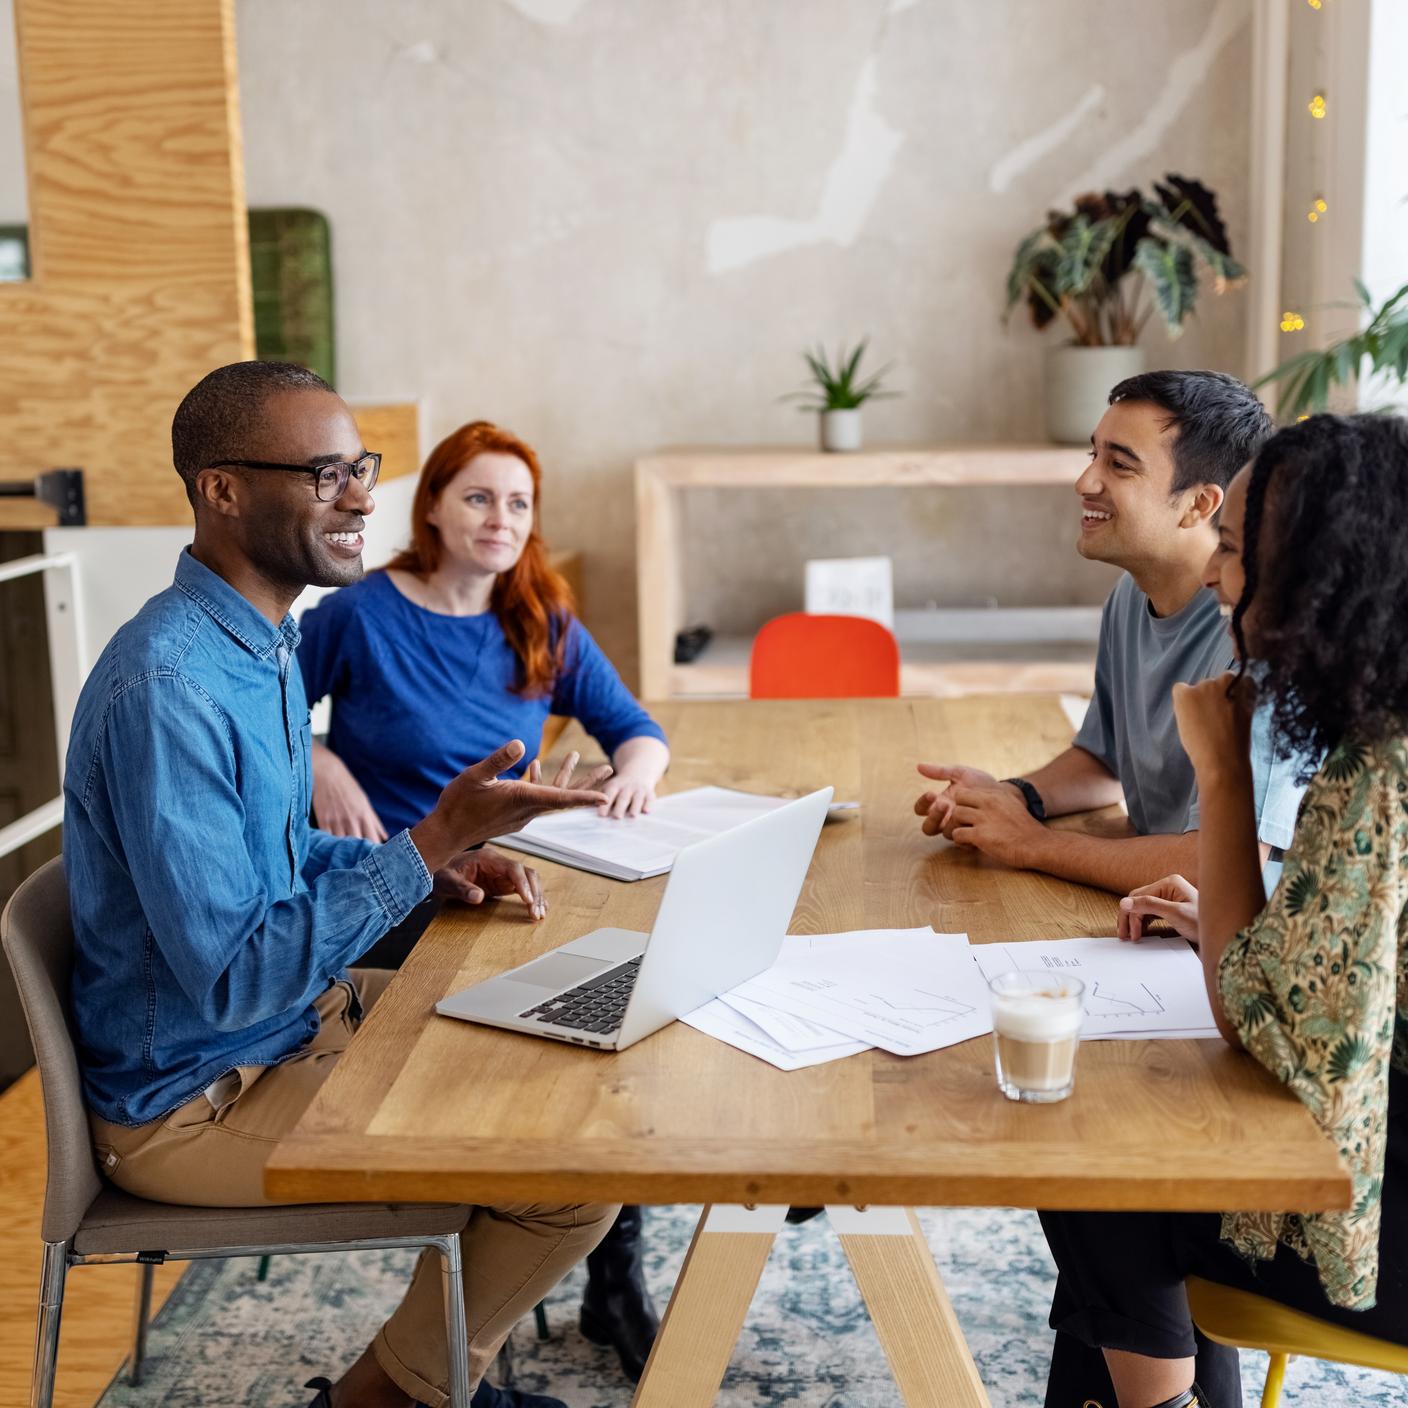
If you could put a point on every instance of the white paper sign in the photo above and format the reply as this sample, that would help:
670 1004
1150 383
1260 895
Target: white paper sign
852 586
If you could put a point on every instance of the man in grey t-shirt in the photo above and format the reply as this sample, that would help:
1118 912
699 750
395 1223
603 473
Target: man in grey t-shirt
1161 459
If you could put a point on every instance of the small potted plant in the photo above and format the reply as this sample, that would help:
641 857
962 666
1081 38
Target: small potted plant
838 393
1104 268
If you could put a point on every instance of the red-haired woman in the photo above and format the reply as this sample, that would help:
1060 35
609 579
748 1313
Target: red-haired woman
467 638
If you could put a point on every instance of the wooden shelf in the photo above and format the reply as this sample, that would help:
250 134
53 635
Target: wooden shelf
885 465
661 549
937 670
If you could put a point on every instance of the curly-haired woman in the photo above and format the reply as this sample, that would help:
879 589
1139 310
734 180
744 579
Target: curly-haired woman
469 636
1312 567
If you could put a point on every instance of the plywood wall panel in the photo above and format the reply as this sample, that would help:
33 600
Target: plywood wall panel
394 429
139 243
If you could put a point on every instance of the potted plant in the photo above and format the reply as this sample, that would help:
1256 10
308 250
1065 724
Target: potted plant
838 393
1105 267
1382 342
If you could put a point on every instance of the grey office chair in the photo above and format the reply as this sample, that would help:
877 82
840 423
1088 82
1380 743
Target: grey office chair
86 1221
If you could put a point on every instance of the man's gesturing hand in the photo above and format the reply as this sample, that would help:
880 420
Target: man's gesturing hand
479 804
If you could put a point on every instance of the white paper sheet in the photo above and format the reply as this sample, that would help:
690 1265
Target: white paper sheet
906 991
794 1034
1152 989
720 1021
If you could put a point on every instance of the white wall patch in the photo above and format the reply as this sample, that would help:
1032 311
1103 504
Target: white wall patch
853 183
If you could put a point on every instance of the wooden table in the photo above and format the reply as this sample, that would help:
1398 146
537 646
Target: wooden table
425 1108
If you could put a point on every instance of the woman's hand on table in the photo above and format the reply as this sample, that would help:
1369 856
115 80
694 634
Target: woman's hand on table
640 763
476 876
340 805
627 795
1172 901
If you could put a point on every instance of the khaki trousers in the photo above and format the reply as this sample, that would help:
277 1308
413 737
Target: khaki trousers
213 1156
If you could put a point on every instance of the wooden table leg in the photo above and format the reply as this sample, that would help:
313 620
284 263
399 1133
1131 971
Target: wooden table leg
706 1312
909 1307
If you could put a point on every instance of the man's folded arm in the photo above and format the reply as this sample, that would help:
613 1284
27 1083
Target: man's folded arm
243 949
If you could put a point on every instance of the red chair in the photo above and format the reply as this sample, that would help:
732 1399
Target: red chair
798 656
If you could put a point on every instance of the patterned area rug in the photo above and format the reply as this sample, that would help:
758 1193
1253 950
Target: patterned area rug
223 1340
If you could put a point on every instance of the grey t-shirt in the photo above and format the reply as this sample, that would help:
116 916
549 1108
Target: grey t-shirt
1130 725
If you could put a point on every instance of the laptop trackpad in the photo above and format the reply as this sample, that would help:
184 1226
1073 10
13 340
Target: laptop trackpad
558 970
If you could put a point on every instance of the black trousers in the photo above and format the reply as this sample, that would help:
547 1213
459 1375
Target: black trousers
393 948
1120 1286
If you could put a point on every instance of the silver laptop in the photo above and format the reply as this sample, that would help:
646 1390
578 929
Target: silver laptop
721 921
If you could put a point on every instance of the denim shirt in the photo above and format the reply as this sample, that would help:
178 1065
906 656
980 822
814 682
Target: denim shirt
207 913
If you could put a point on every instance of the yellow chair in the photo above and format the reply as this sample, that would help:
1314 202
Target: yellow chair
1245 1321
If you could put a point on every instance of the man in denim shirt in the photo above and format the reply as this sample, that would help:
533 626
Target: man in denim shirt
213 926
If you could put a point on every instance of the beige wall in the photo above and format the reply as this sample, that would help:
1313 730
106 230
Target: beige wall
613 225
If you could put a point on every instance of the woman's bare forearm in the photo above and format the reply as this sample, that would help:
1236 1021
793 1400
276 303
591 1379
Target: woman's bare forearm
1230 888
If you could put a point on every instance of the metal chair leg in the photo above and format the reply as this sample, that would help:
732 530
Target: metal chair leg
540 1319
46 1337
456 1330
262 1274
1275 1378
141 1314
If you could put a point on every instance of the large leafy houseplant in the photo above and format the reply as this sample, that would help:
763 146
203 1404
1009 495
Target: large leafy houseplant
1092 265
1380 348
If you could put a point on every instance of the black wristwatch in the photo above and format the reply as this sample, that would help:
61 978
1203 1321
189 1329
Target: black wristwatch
1033 798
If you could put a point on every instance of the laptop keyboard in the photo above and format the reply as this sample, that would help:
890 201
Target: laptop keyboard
598 1005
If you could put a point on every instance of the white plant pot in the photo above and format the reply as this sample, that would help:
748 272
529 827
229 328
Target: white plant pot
1078 385
840 430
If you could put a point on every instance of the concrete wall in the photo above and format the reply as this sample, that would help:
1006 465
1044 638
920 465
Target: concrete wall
613 226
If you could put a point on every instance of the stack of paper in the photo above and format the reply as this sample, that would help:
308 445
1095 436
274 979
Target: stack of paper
645 845
1151 989
911 990
831 995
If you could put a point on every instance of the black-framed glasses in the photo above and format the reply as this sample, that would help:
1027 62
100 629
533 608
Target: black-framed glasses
329 480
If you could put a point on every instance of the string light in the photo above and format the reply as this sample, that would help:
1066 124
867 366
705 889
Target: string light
1316 106
1314 5
1291 322
1316 211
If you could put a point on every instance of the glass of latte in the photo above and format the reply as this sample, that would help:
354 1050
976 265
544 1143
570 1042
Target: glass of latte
1036 1020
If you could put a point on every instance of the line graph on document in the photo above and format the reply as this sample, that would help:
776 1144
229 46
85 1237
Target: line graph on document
1107 999
936 1012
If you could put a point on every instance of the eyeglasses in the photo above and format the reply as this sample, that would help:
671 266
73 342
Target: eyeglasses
329 480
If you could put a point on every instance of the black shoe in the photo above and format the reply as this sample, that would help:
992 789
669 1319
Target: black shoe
488 1396
1190 1398
324 1398
616 1307
795 1215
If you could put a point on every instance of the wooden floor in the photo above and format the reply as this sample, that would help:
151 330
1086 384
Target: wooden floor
97 1319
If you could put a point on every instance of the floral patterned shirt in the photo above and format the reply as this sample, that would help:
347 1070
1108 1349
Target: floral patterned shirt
1317 988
